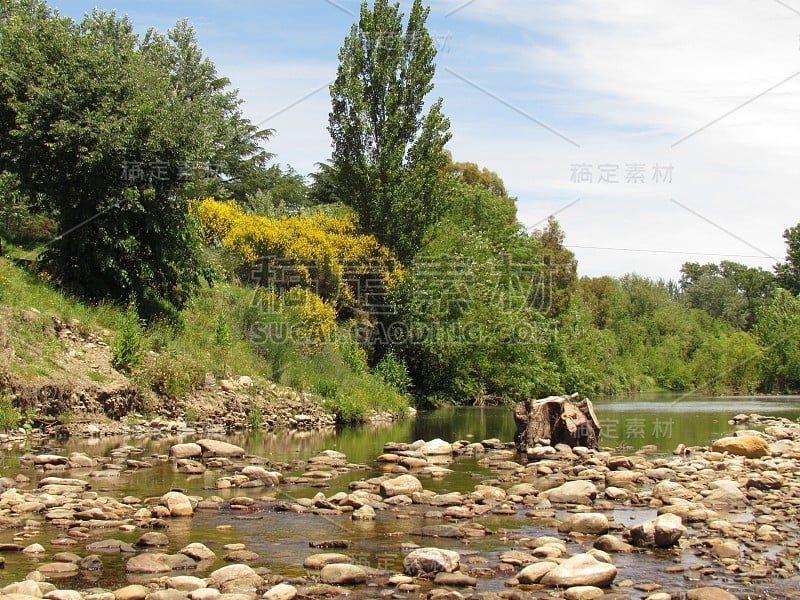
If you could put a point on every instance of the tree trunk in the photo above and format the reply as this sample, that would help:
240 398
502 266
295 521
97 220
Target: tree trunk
556 420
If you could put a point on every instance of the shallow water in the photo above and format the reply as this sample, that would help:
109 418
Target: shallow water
282 539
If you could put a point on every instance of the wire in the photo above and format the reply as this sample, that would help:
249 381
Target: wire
667 252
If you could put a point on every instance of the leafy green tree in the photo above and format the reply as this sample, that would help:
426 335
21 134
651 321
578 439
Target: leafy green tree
788 273
778 331
387 155
101 127
471 174
729 291
559 265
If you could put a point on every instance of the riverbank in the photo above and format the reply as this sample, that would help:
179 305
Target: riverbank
557 522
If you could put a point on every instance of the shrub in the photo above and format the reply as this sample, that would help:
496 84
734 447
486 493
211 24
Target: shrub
255 417
10 417
394 372
172 375
128 349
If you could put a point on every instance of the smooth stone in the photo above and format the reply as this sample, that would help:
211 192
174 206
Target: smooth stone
534 573
282 591
402 485
131 592
198 551
343 574
430 560
709 593
662 532
179 504
190 450
146 564
591 523
572 492
186 583
318 561
218 448
581 569
583 592
749 446
455 580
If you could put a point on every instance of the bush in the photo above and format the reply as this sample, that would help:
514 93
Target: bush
128 349
394 372
10 417
172 375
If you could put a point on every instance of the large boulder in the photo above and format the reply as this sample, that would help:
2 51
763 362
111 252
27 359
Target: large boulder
402 485
218 448
436 447
343 574
534 573
662 532
591 523
572 492
179 504
431 560
319 561
235 578
581 569
146 564
749 446
190 450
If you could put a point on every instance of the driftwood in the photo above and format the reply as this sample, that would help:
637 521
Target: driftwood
556 420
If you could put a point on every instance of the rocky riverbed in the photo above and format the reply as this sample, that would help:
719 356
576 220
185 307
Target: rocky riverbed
705 522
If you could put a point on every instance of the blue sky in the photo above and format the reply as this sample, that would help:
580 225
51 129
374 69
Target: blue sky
552 93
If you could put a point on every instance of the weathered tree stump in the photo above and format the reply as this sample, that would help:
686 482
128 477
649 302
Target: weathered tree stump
556 420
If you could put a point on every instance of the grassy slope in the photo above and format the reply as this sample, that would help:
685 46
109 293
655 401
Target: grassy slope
209 340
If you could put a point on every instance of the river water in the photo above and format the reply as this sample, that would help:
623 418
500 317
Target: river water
282 539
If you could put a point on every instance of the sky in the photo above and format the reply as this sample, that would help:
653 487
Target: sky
656 133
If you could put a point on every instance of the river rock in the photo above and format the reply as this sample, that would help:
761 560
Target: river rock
581 569
534 573
235 578
436 447
404 484
198 551
187 466
749 446
282 591
131 592
318 561
455 580
343 574
365 513
662 532
572 492
611 543
213 448
110 547
63 595
179 504
58 569
709 593
591 523
257 473
583 592
208 594
146 564
185 583
430 560
153 539
725 493
167 595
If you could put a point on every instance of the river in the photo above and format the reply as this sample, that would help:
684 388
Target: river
663 420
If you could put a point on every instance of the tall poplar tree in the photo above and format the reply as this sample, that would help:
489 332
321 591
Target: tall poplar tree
387 154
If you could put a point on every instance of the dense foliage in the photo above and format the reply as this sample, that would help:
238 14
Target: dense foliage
386 154
392 270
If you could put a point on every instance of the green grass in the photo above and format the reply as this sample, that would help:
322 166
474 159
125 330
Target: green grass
213 334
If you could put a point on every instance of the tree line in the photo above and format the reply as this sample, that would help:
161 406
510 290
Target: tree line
121 156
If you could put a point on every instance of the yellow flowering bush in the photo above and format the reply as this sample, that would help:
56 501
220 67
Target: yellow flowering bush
318 251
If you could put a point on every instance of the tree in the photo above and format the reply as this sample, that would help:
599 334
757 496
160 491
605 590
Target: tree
778 331
729 291
102 128
788 273
387 155
471 174
560 266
